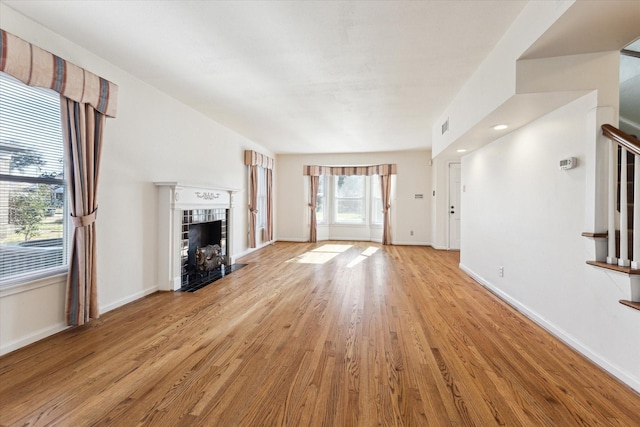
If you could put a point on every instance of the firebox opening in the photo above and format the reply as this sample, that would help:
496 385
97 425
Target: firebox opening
201 235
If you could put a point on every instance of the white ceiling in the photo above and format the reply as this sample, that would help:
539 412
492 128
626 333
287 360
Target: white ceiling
294 76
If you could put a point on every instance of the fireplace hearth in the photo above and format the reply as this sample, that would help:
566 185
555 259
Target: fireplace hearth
198 280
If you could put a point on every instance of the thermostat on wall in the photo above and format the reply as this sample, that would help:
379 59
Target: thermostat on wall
568 163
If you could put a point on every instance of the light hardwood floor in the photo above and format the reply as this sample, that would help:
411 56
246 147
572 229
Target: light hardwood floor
402 337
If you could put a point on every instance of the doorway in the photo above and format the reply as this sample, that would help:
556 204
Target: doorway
454 206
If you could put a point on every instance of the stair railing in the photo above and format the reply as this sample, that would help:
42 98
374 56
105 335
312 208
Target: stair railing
631 144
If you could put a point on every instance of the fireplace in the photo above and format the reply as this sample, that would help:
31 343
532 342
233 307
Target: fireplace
192 217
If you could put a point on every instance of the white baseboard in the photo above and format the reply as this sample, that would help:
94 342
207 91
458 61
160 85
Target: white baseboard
440 248
557 332
298 240
401 243
250 250
127 300
31 338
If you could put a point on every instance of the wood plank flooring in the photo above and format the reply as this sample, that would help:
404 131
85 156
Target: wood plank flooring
325 334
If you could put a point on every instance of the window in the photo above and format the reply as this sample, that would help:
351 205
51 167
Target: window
33 226
262 198
350 203
377 216
321 203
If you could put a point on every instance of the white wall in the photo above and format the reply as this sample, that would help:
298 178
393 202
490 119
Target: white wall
527 217
153 138
408 214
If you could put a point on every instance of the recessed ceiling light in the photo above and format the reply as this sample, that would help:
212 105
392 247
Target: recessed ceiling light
500 127
462 150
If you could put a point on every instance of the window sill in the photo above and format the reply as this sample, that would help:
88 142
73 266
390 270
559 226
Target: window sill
52 279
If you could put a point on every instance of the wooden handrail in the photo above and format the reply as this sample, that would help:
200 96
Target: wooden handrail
629 142
628 52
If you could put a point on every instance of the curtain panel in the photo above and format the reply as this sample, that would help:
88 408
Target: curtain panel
253 204
36 67
85 102
82 129
253 159
268 227
385 192
314 181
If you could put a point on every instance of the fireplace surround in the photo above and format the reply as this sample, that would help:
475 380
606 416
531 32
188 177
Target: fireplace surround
183 211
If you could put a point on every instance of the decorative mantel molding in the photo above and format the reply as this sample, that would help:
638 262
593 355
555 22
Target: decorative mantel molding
174 198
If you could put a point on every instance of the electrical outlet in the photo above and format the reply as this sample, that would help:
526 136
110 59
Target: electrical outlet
501 271
411 232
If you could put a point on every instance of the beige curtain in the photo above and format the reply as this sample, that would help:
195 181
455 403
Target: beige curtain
385 187
253 204
82 129
269 214
313 201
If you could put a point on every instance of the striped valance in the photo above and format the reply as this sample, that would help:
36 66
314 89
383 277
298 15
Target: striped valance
253 158
37 67
312 170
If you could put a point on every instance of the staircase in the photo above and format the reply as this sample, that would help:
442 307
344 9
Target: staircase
623 245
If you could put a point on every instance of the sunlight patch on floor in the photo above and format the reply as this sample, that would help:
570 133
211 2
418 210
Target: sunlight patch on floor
321 255
364 255
315 257
370 251
332 248
356 260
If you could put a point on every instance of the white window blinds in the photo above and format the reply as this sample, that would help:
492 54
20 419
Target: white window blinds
32 188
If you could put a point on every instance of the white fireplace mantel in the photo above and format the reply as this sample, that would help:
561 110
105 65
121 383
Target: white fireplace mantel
174 198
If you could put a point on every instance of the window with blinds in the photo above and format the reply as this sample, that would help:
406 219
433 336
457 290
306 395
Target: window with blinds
33 225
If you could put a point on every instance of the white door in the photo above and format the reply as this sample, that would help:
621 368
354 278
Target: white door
454 205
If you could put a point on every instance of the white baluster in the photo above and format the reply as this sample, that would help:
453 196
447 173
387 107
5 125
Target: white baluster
611 210
635 264
623 261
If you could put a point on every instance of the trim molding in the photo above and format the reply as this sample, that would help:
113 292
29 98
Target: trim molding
555 331
250 250
31 338
34 284
400 243
127 300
